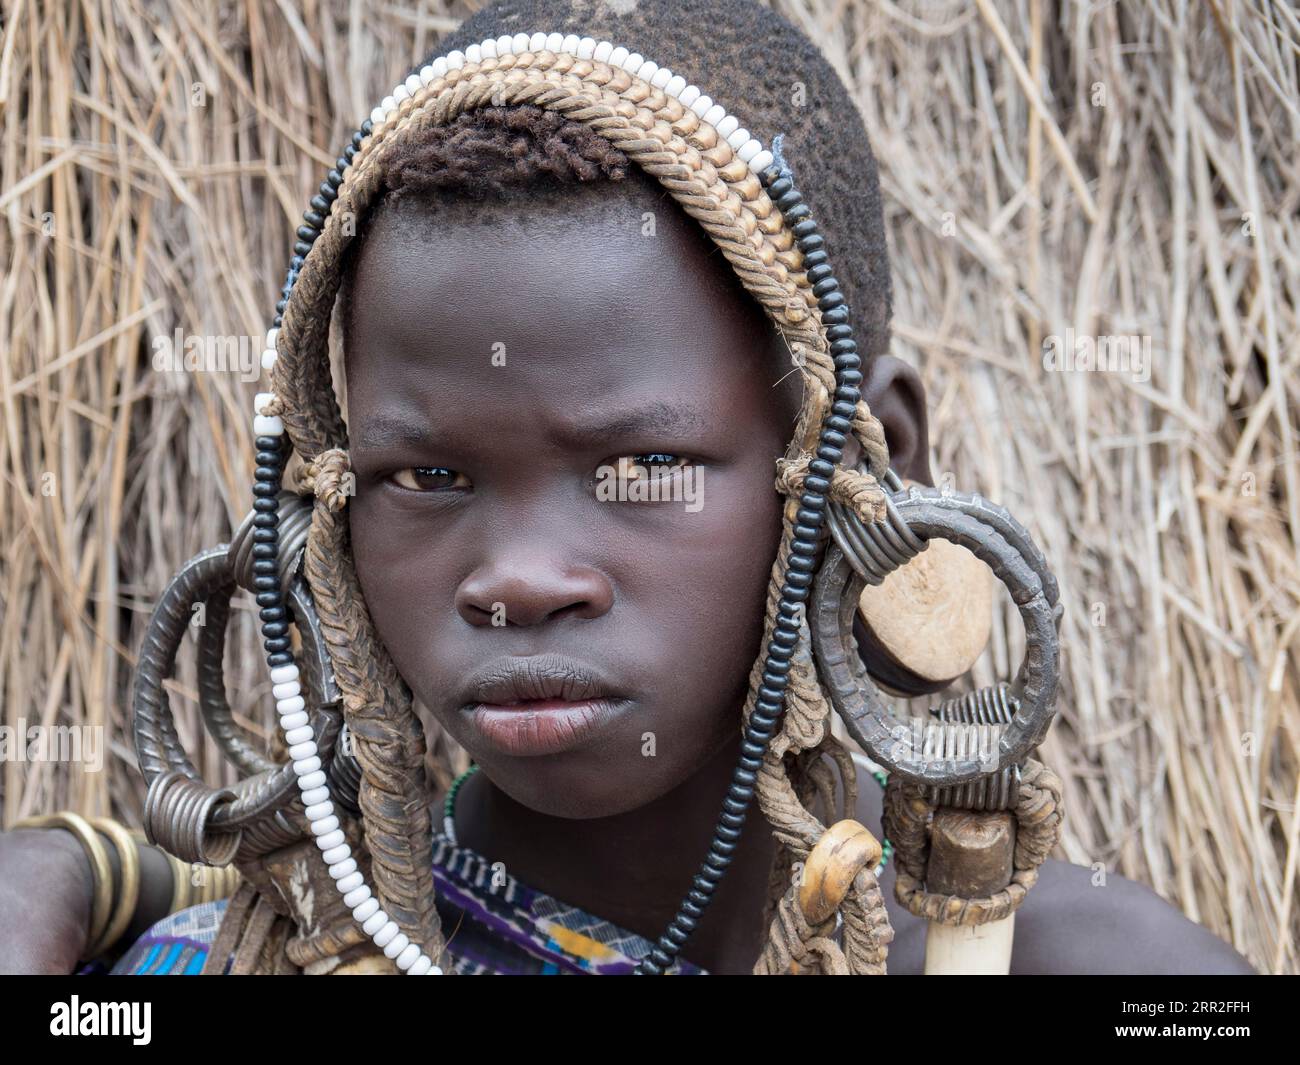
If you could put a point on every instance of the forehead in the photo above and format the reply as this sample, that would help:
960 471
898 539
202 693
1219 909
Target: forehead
606 291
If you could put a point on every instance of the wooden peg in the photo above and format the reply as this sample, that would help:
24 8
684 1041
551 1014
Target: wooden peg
929 622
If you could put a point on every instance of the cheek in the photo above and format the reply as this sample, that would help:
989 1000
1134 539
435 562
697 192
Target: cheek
701 589
710 570
402 581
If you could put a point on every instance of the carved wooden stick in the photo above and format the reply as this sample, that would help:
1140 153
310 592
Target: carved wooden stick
970 856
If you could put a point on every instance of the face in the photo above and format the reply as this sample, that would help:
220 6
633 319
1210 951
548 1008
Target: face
564 433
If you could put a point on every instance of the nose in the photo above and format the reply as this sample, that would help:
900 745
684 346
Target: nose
532 591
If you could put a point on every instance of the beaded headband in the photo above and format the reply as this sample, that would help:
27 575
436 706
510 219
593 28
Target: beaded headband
744 197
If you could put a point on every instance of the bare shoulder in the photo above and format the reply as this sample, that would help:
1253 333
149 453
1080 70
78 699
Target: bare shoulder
1075 920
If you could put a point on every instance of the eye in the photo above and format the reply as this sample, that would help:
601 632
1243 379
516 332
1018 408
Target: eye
429 479
651 477
651 464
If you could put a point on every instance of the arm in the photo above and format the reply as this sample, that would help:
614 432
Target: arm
46 893
45 900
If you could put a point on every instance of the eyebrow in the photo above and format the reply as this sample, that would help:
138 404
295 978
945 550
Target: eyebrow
644 419
385 434
654 418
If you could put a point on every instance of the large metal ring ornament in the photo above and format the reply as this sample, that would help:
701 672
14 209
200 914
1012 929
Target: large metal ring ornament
931 752
188 817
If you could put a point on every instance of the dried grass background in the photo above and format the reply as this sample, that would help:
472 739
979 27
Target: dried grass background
1120 168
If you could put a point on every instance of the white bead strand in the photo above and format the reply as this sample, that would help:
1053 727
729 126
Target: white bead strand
313 785
270 354
748 149
265 424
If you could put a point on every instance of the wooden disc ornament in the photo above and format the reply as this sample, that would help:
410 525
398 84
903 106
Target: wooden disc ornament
929 622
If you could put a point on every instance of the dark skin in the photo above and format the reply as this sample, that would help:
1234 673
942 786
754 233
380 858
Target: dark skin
46 894
665 604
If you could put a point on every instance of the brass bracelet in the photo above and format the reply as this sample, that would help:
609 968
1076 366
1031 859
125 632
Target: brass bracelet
219 881
100 868
215 882
182 886
128 856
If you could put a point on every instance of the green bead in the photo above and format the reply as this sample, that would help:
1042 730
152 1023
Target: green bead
449 803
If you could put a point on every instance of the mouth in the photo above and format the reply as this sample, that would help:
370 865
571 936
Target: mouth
546 704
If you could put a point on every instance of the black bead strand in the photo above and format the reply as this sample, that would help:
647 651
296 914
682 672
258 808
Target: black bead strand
779 182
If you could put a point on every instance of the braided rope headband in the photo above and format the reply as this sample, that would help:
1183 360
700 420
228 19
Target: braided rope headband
744 197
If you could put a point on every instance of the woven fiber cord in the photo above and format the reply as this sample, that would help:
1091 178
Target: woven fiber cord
1038 813
714 187
793 944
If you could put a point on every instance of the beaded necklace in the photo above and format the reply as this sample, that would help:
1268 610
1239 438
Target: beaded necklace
449 804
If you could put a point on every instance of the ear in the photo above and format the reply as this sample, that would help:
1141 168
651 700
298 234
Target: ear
893 391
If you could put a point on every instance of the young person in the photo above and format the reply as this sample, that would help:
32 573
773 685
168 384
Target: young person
552 354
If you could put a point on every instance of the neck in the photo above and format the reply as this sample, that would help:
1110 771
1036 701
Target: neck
634 869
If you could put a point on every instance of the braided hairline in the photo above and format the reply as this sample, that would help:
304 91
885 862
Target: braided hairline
496 150
712 186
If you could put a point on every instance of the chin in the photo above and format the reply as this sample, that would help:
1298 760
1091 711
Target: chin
577 788
590 784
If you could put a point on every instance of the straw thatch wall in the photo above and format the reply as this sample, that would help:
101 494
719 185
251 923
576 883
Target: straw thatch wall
1115 169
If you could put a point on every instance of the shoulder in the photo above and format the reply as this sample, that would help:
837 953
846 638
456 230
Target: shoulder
175 946
1084 919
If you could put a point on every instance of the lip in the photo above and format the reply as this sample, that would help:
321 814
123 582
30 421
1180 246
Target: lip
543 704
543 726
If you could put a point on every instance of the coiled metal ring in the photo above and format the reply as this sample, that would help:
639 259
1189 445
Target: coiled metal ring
295 524
925 752
184 815
177 815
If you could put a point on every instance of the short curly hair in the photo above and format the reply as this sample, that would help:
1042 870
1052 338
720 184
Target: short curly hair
494 151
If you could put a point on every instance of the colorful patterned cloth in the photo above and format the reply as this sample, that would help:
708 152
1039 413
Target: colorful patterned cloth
176 945
495 926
